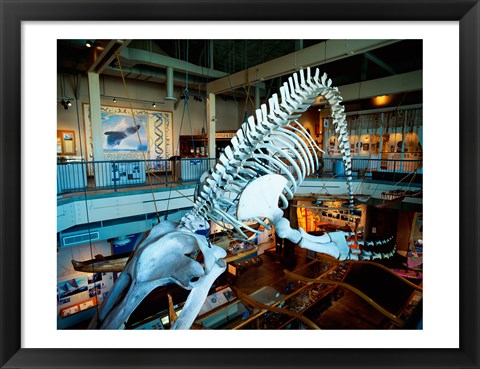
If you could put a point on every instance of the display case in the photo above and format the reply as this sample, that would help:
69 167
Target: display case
197 145
192 146
298 297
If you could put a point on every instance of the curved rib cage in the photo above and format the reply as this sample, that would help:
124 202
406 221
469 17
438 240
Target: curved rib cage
271 153
272 142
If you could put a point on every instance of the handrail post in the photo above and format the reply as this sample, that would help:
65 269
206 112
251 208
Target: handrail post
114 179
165 161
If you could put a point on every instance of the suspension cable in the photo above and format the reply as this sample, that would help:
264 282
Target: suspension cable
138 135
84 175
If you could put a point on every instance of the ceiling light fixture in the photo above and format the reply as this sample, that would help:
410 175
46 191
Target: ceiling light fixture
382 100
149 103
64 104
88 43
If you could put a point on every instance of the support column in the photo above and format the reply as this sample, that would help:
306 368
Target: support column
169 94
324 135
382 131
298 45
257 97
402 153
359 142
212 54
95 116
211 125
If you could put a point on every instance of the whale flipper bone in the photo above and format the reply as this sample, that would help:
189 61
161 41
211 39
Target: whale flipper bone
260 198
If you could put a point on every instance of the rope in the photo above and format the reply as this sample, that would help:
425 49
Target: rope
138 135
84 175
187 107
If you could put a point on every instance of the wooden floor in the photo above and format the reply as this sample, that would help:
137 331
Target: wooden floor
351 312
271 269
348 312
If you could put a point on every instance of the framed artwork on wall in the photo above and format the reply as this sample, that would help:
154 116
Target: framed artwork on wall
71 287
127 135
66 142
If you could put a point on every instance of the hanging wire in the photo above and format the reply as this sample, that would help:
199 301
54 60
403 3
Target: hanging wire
63 85
186 107
204 123
76 85
138 135
248 99
185 104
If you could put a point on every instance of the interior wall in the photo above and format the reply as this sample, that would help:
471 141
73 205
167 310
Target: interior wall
382 222
309 120
228 112
404 229
97 289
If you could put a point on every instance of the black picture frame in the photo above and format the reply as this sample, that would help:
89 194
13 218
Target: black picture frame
12 355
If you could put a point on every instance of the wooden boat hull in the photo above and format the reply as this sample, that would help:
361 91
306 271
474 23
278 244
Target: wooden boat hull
102 264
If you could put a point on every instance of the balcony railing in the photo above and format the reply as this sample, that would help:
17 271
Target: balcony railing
99 175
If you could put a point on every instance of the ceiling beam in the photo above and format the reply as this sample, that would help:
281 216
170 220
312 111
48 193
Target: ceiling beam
103 53
379 62
405 82
131 57
321 53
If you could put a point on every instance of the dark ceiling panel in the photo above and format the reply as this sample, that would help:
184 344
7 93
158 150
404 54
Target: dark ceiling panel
231 56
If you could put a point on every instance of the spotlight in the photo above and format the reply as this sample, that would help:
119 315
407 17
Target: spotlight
88 43
69 103
154 105
114 100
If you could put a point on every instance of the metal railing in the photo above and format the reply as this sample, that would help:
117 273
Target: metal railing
98 175
378 169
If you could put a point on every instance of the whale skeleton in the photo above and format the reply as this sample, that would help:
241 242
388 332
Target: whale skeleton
256 176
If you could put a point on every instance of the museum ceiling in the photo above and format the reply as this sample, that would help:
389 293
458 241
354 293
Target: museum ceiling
207 60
